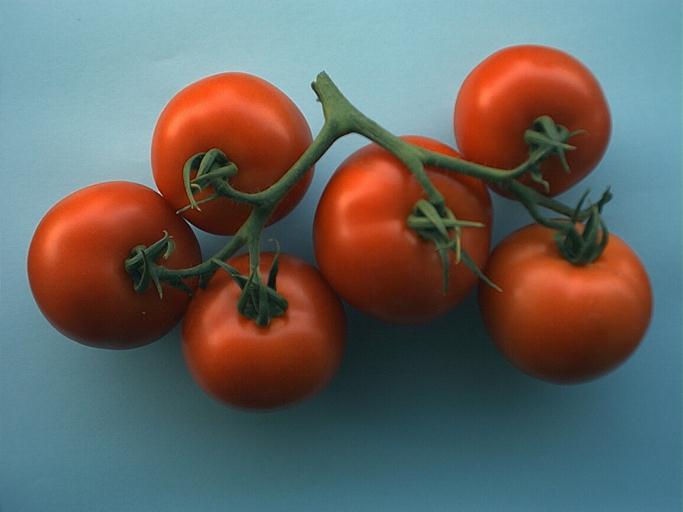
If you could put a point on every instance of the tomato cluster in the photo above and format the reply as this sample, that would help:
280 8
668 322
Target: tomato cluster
97 259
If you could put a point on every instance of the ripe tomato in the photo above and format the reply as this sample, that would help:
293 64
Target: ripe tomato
506 92
562 322
76 265
255 124
371 257
242 364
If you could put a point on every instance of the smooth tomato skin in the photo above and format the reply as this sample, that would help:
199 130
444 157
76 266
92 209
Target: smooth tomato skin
561 322
504 94
76 265
370 256
247 366
255 124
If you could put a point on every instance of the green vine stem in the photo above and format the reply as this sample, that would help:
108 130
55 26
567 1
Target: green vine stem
431 218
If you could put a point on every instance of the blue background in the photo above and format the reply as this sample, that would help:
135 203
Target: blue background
418 418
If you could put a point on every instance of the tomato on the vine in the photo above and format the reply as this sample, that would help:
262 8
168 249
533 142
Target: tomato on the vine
500 99
371 257
257 127
246 365
76 265
562 322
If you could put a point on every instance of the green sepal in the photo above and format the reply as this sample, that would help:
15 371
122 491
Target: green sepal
467 260
443 250
210 166
585 247
444 230
546 138
190 164
211 158
263 309
274 267
258 301
429 211
579 206
195 204
141 263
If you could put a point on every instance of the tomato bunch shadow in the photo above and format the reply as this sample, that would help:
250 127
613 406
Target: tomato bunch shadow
449 362
448 366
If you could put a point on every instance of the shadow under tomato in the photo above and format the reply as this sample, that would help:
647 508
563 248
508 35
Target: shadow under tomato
449 363
448 366
388 370
433 392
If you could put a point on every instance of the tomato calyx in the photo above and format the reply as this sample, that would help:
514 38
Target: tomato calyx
259 301
141 266
438 224
581 234
585 244
212 169
546 138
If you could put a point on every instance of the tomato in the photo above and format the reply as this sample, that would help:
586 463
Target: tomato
558 321
243 364
255 124
500 99
76 265
371 257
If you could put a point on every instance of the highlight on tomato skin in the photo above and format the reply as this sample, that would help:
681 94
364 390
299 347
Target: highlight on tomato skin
370 256
560 322
244 365
76 265
503 95
256 125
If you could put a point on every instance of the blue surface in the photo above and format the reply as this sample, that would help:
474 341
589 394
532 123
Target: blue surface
419 418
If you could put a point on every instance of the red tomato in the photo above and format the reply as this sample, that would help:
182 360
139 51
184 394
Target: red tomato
255 124
371 257
562 322
503 95
245 365
76 265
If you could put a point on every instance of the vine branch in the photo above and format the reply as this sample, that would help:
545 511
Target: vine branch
431 218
